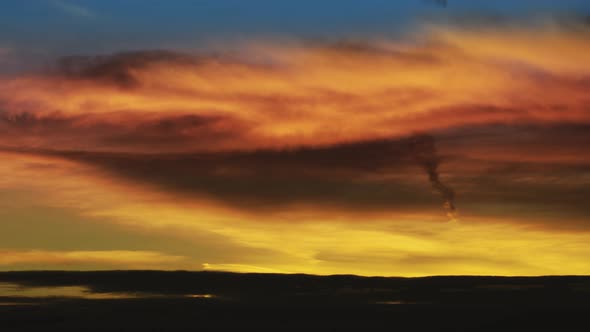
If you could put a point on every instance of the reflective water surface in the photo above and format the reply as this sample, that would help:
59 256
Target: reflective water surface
16 294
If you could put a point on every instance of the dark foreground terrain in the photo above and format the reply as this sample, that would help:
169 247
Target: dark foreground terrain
193 301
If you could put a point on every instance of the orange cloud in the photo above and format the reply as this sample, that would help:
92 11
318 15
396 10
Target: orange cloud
301 153
306 95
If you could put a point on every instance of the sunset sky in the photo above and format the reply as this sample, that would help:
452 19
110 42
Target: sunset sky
396 138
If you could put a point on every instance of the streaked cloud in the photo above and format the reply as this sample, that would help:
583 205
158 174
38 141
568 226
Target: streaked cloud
72 8
301 238
300 156
88 259
297 96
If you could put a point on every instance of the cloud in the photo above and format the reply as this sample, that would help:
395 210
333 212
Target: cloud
295 96
264 135
267 179
306 148
264 179
73 9
530 170
290 238
123 132
113 258
425 264
118 69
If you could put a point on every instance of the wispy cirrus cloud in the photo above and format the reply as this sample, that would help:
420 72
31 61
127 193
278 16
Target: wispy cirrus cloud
314 142
73 9
218 125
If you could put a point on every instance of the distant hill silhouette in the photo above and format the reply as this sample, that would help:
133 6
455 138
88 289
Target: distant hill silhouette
294 302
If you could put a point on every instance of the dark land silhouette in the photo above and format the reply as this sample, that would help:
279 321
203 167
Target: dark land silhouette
182 301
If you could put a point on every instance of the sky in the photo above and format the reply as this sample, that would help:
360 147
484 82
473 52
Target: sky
398 138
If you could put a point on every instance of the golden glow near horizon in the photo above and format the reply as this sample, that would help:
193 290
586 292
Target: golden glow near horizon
176 166
318 242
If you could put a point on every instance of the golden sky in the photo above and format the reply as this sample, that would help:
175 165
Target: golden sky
302 157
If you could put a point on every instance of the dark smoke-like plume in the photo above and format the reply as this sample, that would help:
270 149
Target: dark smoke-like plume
424 151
